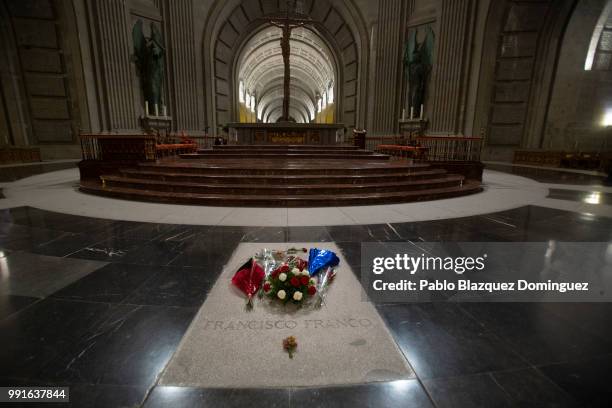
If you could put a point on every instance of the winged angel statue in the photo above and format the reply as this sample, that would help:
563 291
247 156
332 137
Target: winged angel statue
149 56
418 60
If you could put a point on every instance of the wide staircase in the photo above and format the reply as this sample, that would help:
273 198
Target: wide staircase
282 176
290 152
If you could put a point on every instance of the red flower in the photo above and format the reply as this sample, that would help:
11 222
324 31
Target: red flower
312 290
295 281
284 268
305 280
301 264
266 287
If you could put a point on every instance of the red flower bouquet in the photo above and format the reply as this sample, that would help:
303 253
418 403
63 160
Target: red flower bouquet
248 279
290 282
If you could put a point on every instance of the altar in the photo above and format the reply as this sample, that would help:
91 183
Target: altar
286 133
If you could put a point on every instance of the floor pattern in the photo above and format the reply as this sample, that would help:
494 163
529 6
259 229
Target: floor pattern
101 305
109 327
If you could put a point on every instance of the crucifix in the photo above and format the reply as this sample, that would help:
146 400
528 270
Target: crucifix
293 18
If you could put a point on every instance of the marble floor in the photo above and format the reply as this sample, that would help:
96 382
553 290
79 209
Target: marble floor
101 305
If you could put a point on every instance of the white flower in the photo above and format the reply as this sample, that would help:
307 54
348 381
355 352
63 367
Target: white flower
297 296
295 271
305 272
313 281
281 294
282 277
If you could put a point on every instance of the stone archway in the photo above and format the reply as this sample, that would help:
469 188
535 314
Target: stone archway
259 70
231 24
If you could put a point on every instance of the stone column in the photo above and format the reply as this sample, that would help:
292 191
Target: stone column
388 65
450 76
181 63
113 60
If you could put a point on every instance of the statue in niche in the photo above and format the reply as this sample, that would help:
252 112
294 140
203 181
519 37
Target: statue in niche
149 57
418 61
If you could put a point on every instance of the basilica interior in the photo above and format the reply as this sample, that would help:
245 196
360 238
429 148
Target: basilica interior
149 148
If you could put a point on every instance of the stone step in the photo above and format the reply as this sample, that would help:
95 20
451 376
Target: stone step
282 200
274 189
352 152
281 167
282 179
285 147
286 156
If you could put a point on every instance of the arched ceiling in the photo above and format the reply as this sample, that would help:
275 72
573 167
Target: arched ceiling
261 70
275 95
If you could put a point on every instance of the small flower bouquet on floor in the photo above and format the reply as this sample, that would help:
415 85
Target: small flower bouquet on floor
290 282
290 345
283 276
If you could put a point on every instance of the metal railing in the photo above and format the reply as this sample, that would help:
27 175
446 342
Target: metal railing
134 146
451 148
202 142
373 141
118 147
440 148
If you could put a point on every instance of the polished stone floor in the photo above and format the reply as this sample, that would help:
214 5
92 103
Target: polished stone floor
101 305
549 175
18 172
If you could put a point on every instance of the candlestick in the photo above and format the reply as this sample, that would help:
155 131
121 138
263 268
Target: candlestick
404 113
165 111
146 108
421 115
156 110
411 112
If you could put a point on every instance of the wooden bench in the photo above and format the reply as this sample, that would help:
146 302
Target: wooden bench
11 154
564 159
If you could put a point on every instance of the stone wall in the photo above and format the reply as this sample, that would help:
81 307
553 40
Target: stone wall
581 98
232 23
186 106
511 71
119 96
518 65
517 48
6 136
389 47
66 66
456 37
102 88
450 78
40 74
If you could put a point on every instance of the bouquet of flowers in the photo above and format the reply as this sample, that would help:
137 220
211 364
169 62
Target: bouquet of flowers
248 279
322 263
284 276
290 282
290 345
